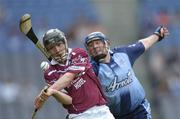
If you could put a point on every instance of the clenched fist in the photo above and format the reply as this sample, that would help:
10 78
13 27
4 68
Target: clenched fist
161 32
41 98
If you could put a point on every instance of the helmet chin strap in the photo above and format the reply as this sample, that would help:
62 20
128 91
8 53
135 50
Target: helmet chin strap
101 57
61 59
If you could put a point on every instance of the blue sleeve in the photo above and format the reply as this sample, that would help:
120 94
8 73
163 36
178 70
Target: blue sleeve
133 51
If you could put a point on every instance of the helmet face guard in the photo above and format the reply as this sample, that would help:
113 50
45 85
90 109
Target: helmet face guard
53 37
97 36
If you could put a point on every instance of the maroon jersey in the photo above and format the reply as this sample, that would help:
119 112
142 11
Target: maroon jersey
85 88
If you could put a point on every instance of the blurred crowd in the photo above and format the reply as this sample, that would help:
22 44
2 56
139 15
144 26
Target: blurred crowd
75 18
78 18
164 58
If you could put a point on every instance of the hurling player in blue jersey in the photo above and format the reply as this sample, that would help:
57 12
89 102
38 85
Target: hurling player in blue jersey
125 94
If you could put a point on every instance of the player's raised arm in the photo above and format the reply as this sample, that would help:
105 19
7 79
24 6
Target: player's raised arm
158 35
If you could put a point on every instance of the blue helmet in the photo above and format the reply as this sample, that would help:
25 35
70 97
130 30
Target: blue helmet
97 36
94 36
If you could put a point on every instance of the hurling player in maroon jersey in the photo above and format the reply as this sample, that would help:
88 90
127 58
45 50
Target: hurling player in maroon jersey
71 70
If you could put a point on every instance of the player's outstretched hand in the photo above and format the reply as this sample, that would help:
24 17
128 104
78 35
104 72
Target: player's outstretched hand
162 32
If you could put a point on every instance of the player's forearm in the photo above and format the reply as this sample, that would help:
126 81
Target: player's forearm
149 41
158 35
61 83
62 98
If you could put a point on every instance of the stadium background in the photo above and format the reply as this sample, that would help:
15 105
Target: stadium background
124 22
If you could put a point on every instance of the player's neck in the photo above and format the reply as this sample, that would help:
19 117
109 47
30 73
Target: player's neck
62 62
106 59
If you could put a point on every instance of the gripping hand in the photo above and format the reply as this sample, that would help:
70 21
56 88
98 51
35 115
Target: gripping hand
161 32
41 98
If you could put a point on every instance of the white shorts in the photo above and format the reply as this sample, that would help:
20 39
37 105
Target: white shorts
96 112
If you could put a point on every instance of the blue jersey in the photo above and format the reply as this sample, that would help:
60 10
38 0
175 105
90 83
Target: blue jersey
120 85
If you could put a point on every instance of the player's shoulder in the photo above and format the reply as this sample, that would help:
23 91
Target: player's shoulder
50 75
121 48
50 70
78 51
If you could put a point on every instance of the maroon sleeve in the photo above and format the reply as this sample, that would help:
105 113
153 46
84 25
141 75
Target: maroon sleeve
50 76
